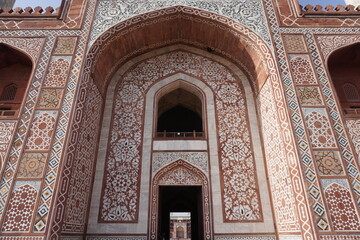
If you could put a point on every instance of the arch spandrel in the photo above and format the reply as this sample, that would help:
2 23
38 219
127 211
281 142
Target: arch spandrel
249 13
183 25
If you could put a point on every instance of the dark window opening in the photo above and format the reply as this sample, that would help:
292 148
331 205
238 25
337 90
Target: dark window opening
180 115
9 93
15 71
344 68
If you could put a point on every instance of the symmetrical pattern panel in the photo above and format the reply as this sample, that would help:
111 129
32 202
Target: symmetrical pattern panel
284 202
80 182
58 72
341 206
41 130
329 163
310 96
318 124
198 159
65 45
302 70
236 157
32 165
353 127
294 43
20 209
6 132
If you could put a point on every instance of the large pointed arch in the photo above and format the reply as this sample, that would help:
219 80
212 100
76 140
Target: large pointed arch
236 43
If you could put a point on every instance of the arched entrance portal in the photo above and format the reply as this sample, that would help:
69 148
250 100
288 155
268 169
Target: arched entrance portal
180 187
109 58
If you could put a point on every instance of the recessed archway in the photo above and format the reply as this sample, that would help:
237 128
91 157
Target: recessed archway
179 179
344 68
15 71
194 27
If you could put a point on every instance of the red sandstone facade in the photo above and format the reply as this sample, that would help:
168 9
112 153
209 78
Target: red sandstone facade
275 88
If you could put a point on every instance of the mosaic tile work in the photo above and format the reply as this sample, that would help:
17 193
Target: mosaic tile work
302 70
294 43
320 220
41 130
65 45
310 96
198 159
347 153
341 207
58 72
80 187
250 13
49 98
318 125
353 127
329 163
24 122
6 132
47 192
340 237
284 206
32 165
125 145
70 124
245 238
20 209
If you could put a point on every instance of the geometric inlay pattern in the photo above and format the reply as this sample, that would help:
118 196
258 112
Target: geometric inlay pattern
198 159
6 132
49 98
294 43
41 130
329 163
282 191
58 71
32 165
340 237
310 96
353 126
302 70
180 176
20 209
82 169
341 207
244 237
65 45
343 142
122 173
319 128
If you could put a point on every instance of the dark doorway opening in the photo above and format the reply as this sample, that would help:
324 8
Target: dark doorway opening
180 199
